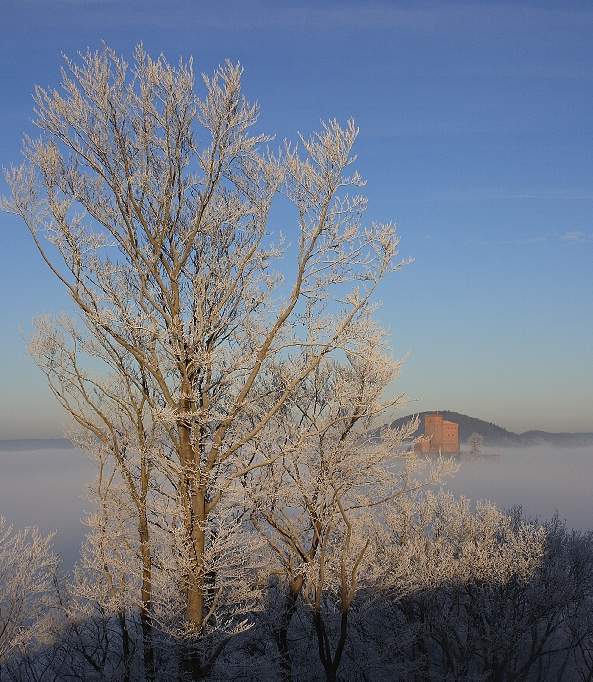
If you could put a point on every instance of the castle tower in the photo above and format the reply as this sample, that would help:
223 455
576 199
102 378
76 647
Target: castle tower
433 428
441 435
450 437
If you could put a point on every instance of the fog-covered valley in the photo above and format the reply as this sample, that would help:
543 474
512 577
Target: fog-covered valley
542 479
45 486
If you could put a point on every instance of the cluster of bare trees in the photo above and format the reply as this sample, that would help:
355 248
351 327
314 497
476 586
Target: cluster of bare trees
225 370
441 592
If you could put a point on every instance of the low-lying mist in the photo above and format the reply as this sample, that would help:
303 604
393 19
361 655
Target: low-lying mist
542 479
46 487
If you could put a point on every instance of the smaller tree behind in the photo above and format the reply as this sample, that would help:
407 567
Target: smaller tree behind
476 441
27 568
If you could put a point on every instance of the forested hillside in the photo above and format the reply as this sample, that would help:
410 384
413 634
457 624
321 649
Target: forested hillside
496 435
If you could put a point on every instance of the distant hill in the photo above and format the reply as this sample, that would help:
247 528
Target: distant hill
35 444
492 433
497 436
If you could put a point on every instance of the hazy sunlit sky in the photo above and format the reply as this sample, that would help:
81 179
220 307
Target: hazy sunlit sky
476 137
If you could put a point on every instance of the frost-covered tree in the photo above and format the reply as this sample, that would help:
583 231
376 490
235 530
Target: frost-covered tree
150 202
476 441
327 486
479 594
27 571
232 409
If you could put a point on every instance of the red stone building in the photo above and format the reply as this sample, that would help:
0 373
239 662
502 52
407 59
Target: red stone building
440 435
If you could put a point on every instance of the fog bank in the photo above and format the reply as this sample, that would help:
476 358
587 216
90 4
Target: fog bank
542 479
46 486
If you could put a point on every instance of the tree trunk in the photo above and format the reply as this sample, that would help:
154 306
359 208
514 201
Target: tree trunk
195 521
281 632
330 662
125 641
146 597
191 664
195 588
192 661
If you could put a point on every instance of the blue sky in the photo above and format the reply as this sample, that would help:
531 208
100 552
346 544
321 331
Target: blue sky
476 137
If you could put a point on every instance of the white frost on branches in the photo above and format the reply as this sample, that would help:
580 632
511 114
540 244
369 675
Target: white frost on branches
27 570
